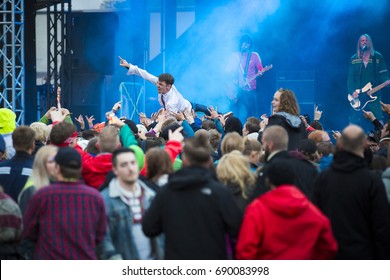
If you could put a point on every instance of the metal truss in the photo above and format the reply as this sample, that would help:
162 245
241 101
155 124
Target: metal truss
12 83
58 44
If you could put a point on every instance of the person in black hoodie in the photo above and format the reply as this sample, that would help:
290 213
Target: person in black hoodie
286 114
194 210
354 200
275 141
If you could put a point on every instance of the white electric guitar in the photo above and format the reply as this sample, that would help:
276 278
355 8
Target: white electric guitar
360 102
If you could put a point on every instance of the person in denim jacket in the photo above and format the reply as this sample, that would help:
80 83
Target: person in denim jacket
126 199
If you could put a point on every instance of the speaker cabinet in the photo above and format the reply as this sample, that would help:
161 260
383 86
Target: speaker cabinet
88 95
300 82
93 42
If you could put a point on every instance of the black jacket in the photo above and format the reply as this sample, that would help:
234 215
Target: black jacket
354 199
194 211
305 174
294 126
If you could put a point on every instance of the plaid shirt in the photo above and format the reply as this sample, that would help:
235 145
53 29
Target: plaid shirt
65 220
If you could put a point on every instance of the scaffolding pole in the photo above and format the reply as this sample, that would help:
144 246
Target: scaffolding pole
12 84
58 44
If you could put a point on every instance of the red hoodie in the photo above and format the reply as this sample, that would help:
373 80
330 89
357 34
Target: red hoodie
283 224
95 169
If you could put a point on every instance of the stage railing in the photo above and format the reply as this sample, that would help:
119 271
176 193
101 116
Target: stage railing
133 100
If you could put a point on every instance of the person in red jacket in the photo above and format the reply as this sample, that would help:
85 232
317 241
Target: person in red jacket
283 223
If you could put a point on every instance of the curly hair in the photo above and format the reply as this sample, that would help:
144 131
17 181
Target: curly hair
41 131
288 102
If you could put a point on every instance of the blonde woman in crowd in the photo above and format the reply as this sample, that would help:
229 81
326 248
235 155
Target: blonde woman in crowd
253 151
232 141
42 174
234 172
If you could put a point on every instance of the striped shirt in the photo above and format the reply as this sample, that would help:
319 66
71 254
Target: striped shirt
15 172
65 220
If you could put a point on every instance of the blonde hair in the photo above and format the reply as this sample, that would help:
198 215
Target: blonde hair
40 176
233 169
370 44
232 141
41 131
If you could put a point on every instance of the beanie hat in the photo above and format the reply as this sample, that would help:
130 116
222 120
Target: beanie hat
68 157
307 146
7 121
233 124
139 154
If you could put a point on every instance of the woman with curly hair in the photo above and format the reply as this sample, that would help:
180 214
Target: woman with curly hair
286 114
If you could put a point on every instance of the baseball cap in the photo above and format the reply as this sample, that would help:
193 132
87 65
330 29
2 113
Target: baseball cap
68 157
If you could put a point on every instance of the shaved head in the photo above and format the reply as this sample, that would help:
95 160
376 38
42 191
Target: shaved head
352 140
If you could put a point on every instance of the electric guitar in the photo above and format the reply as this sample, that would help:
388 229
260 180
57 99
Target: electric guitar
360 102
246 83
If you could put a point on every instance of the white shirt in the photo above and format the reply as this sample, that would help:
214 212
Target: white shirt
174 101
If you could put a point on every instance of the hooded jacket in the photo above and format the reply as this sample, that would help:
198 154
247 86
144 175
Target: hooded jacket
194 211
284 224
354 200
294 126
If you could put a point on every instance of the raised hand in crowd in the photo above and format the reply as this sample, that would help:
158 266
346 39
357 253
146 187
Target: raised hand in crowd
178 116
57 116
317 114
221 120
304 121
160 121
115 121
213 113
189 116
336 134
385 107
264 121
80 120
368 115
176 135
144 120
65 112
47 114
90 121
117 106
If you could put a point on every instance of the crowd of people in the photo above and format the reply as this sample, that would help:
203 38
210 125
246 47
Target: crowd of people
179 186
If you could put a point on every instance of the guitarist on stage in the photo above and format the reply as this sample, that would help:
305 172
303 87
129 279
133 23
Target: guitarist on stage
245 64
366 66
